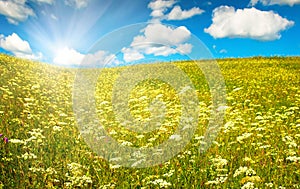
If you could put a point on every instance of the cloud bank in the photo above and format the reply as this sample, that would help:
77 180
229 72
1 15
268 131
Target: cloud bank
275 2
160 7
20 48
158 40
247 23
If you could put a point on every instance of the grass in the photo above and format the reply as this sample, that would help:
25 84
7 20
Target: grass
258 145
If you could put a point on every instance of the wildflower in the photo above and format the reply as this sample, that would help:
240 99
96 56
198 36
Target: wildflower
265 146
29 156
270 184
222 108
293 159
1 135
16 141
247 159
57 128
212 182
162 183
115 166
184 89
170 173
243 137
242 170
253 179
5 139
175 137
115 159
248 185
126 143
138 162
219 162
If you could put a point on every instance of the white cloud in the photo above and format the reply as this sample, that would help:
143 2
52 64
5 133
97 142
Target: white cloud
161 4
158 40
161 34
37 56
167 50
15 11
275 2
100 58
247 23
68 56
78 4
53 17
223 51
185 48
178 14
157 13
15 44
43 1
20 48
159 7
160 50
131 54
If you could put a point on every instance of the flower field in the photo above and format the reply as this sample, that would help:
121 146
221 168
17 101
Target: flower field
258 145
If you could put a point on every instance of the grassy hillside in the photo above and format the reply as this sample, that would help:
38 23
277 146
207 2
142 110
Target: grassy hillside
258 145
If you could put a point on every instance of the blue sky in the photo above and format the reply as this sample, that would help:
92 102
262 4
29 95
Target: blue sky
65 32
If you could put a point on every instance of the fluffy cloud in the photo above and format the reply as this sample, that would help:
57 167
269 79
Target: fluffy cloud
178 14
44 1
160 6
20 48
100 58
78 4
275 2
247 23
161 34
70 57
14 43
158 40
131 54
17 11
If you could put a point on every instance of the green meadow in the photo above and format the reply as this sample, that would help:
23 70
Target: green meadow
258 145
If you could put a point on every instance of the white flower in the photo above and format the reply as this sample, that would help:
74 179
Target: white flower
115 166
138 162
199 137
16 141
29 156
175 137
113 132
126 143
243 137
184 89
222 108
248 185
115 159
162 183
293 158
265 146
242 170
219 162
211 182
170 173
270 184
57 128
